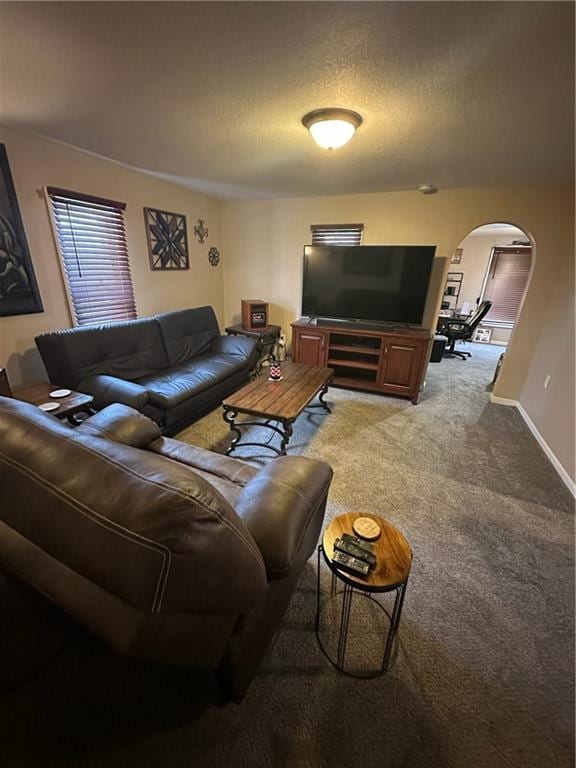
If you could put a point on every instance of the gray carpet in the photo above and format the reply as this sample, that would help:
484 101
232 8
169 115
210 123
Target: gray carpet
484 670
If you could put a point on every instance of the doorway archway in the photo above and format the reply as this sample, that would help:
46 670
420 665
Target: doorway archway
493 262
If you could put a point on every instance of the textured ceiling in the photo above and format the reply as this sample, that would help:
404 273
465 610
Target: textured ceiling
211 94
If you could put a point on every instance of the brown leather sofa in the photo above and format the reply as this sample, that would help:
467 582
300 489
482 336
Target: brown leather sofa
173 367
166 551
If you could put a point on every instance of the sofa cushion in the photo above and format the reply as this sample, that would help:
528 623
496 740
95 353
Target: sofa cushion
188 333
127 350
178 418
174 386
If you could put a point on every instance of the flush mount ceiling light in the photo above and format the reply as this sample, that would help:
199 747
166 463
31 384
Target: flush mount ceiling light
332 128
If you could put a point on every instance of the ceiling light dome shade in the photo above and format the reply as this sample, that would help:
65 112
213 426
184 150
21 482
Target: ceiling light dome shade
332 128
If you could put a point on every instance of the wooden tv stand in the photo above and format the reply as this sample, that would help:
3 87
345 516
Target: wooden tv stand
388 360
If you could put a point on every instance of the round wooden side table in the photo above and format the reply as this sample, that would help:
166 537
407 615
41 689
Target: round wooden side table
390 574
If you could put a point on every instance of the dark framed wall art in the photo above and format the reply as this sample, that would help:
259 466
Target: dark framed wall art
167 239
19 294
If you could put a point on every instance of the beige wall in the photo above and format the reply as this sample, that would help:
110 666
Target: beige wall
263 241
36 163
552 409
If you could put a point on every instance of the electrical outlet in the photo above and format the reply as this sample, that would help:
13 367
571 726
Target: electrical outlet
547 381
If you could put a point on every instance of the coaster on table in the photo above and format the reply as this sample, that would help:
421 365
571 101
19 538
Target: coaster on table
49 406
366 528
278 379
61 393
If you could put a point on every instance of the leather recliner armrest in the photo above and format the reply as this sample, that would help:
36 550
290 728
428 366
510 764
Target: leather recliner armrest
234 470
239 346
283 509
123 425
108 389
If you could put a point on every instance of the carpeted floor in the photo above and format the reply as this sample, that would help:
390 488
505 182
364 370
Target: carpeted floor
484 672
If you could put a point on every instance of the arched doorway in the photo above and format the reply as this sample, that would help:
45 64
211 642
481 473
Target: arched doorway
492 263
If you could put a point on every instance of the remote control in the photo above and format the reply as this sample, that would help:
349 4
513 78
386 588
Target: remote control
356 542
357 552
351 564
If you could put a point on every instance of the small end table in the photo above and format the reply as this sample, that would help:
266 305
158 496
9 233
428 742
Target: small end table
39 392
394 560
267 337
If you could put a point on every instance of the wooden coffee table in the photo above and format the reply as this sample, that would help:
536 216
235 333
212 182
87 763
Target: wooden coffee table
277 404
39 392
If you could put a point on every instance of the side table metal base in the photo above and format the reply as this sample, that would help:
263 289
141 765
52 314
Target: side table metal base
348 592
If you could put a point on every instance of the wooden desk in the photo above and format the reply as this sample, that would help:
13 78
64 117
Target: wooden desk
452 317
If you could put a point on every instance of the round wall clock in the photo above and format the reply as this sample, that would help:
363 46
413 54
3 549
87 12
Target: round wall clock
214 256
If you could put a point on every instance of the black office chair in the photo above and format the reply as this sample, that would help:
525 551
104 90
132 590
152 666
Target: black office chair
462 330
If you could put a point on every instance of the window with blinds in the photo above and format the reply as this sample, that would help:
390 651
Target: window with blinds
92 244
505 283
337 234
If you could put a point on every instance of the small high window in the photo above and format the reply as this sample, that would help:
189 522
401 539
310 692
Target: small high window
337 234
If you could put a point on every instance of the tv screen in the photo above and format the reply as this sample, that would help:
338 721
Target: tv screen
375 283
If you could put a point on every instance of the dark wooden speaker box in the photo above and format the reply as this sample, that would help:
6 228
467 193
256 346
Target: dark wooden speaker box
254 314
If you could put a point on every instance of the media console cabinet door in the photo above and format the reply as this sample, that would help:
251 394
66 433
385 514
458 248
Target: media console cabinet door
379 361
309 347
400 367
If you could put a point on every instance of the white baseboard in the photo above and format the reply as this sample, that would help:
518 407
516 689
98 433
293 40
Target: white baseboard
503 401
565 477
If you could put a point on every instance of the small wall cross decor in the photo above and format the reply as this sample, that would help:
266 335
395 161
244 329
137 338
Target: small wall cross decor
201 231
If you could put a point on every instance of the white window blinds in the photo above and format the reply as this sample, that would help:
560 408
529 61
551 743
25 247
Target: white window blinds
506 282
92 243
337 234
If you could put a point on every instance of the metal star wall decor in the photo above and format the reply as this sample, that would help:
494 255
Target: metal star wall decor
201 231
167 239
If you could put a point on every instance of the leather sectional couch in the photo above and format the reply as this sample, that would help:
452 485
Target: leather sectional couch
174 367
166 551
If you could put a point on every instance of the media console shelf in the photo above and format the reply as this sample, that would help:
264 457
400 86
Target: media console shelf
392 361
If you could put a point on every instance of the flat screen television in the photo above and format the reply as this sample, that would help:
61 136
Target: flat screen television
370 283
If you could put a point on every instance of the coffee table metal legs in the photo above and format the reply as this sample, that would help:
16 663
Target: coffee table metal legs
285 432
347 593
229 416
286 435
321 402
282 427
